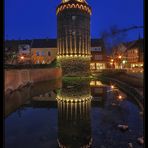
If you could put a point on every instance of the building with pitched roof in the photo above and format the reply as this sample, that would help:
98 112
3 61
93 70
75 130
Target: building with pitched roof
44 51
98 55
135 54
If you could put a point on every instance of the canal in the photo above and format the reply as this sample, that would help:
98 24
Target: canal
71 113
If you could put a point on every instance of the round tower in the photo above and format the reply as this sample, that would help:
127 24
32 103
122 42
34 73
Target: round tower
73 36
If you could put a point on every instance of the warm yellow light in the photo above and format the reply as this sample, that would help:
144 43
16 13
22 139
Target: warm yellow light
112 86
98 83
119 57
123 61
92 83
119 97
112 60
22 57
111 63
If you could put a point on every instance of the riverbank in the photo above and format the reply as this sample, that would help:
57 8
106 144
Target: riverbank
133 86
123 76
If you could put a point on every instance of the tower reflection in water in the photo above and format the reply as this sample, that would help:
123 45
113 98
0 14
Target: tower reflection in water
74 123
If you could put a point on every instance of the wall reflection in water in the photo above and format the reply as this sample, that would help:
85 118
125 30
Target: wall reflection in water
19 97
73 100
74 123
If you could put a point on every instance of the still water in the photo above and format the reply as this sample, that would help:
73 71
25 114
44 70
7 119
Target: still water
71 113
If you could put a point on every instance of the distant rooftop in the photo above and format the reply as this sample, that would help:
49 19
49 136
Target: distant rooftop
36 43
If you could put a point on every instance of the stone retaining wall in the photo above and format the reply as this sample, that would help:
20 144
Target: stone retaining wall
16 78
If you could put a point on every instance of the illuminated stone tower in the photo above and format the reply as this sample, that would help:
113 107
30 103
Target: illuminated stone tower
73 36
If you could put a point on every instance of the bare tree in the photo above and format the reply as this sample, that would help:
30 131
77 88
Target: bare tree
115 35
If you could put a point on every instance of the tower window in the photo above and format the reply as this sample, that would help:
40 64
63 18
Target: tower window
73 18
49 54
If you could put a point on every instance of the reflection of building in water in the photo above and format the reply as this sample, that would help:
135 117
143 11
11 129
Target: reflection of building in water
98 90
74 127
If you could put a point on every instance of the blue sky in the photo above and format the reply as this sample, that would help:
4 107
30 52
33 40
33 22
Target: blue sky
27 19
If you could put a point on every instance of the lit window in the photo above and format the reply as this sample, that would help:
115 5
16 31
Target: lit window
92 83
98 83
37 53
43 53
92 66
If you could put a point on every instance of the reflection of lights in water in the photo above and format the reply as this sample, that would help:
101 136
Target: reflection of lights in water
98 83
120 97
72 117
95 83
65 99
92 83
112 86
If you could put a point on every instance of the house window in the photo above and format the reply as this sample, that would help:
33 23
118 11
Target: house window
96 49
43 53
99 49
98 57
37 53
49 54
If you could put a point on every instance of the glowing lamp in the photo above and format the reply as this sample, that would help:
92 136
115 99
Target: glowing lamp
119 97
119 57
112 86
22 57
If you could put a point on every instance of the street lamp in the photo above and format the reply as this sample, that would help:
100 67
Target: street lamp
123 61
22 57
120 57
112 60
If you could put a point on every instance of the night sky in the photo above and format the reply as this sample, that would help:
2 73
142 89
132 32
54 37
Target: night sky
28 19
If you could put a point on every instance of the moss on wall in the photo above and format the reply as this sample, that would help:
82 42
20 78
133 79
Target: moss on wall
75 66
